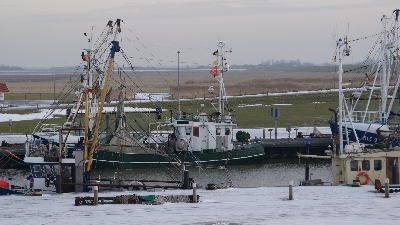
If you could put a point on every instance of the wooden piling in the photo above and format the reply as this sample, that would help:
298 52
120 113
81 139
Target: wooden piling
194 193
96 194
290 190
387 188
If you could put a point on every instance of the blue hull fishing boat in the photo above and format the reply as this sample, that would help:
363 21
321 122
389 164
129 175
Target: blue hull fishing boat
369 114
366 147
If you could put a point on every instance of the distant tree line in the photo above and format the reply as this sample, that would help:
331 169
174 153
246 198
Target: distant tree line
7 68
284 63
268 63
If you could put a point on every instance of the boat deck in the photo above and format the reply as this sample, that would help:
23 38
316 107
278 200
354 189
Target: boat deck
288 148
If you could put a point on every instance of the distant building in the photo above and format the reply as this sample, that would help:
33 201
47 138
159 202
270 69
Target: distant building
3 89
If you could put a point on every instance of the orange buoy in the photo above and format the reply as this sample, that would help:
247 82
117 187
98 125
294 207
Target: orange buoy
4 184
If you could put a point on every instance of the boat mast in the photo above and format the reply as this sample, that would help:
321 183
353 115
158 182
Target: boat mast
384 77
86 82
394 60
340 113
100 89
179 94
223 67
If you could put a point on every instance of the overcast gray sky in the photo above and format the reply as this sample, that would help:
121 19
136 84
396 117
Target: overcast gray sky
45 33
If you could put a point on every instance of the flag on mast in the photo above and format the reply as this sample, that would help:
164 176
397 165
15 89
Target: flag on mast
213 71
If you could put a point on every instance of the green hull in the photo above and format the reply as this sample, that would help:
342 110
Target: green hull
105 159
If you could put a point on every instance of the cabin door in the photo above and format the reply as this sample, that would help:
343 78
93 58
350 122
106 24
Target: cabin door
392 170
67 174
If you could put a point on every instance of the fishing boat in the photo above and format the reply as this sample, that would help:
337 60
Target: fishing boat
366 147
60 158
200 140
56 157
11 155
370 112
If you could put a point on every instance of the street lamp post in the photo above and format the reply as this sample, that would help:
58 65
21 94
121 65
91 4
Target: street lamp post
179 89
54 89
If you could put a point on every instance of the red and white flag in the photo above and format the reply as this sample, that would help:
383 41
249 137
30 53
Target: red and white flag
213 71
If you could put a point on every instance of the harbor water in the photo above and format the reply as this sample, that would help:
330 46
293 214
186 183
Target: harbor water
270 173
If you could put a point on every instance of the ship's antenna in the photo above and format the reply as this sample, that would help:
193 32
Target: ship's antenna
179 97
397 14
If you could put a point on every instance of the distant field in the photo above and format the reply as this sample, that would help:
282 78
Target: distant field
250 112
193 83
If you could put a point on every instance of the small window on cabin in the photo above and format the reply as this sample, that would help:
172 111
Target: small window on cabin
188 131
46 169
227 131
365 165
56 169
196 131
38 171
218 131
67 172
354 165
377 165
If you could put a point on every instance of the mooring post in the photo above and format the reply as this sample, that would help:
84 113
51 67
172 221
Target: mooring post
387 188
96 194
270 133
186 179
194 193
307 175
58 183
263 133
290 190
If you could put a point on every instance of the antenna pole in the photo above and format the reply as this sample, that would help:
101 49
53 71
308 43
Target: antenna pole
340 114
179 89
384 77
221 74
54 89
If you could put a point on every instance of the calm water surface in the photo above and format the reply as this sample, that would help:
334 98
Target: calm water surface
267 174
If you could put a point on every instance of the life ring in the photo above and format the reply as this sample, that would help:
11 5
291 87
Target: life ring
366 177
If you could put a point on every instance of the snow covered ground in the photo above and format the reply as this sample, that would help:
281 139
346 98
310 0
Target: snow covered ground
265 205
44 112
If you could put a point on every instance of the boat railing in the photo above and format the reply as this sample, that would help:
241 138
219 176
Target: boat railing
393 125
362 116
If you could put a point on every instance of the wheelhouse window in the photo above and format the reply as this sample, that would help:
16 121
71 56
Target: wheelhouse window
218 131
67 172
188 130
56 169
354 165
365 165
196 132
38 171
227 131
377 165
46 169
